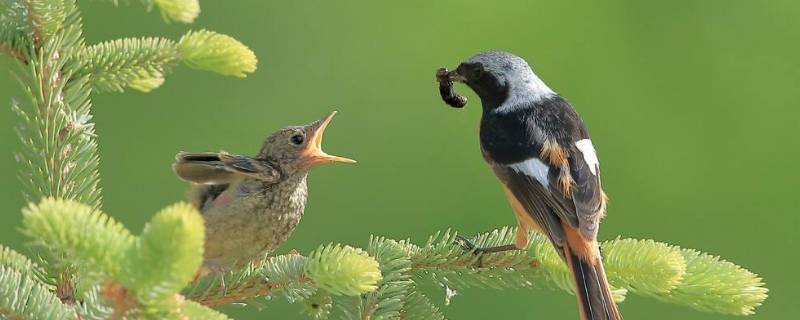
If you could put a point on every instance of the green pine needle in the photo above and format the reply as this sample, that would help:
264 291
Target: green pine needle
419 307
715 285
15 261
138 63
185 11
178 10
23 297
83 235
643 266
669 273
280 275
343 270
193 310
172 246
388 300
318 306
211 51
46 16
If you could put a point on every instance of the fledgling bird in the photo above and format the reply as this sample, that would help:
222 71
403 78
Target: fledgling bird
540 150
251 205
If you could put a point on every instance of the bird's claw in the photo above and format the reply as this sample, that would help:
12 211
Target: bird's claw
222 284
466 244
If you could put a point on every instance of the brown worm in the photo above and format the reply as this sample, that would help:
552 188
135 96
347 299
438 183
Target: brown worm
449 96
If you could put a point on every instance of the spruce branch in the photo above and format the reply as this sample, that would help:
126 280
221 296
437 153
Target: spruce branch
646 267
179 10
141 63
715 285
15 261
393 290
24 297
336 269
176 261
194 310
117 265
184 11
93 306
16 34
279 274
59 151
46 17
211 51
82 235
343 270
419 307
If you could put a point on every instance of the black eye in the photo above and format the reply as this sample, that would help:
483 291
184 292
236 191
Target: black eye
476 72
297 139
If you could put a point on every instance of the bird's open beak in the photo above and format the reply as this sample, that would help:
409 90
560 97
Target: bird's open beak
313 154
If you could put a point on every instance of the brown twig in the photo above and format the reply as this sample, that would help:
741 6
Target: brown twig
122 298
5 47
242 292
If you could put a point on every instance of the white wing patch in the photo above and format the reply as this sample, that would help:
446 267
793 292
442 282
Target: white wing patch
589 155
533 168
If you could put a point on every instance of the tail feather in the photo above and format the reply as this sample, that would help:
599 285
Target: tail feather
591 287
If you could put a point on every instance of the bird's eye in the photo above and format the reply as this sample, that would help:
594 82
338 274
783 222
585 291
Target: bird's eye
476 72
297 139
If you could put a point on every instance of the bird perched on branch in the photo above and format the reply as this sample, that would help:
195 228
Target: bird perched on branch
252 204
540 150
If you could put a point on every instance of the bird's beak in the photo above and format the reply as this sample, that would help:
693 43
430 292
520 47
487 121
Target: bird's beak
313 154
455 76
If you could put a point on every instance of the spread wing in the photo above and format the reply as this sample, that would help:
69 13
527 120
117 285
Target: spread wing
215 172
222 168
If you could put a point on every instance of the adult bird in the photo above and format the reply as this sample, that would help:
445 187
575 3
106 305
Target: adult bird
252 204
540 150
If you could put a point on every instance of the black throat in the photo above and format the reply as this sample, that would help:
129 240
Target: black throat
492 91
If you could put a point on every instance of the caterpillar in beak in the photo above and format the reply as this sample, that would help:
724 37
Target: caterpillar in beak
449 96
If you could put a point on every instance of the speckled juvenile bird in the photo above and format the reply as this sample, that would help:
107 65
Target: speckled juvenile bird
252 204
540 150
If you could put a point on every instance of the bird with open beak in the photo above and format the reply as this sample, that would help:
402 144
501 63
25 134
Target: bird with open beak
252 204
540 150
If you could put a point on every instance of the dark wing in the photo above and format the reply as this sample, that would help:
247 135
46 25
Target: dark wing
587 192
537 202
568 172
222 168
215 172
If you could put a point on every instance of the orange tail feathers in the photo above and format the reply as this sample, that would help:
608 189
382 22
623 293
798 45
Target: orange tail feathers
591 286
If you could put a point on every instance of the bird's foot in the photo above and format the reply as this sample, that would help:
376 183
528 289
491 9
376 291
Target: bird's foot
222 283
469 246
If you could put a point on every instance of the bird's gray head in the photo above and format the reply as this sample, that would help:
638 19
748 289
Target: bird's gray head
299 148
501 79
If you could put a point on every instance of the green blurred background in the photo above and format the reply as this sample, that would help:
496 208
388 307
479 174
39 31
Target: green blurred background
691 104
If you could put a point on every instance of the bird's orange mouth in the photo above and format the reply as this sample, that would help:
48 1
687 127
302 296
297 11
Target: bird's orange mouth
313 154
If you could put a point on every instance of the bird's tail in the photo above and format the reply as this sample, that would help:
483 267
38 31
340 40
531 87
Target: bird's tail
591 287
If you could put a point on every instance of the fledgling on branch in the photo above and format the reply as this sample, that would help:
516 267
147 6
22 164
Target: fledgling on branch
252 204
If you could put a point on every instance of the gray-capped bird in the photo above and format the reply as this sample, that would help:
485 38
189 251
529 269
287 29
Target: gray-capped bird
252 204
540 150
